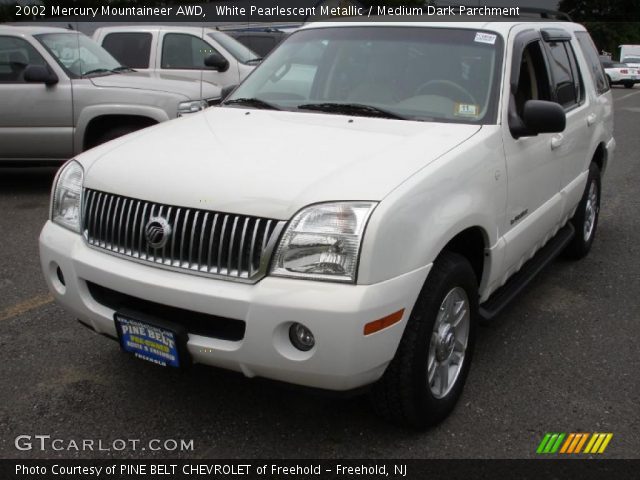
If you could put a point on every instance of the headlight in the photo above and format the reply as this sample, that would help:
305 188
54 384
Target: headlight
323 241
67 196
185 108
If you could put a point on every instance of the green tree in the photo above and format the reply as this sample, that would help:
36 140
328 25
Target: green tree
610 23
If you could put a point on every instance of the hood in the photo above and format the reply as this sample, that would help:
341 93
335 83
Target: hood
269 164
191 89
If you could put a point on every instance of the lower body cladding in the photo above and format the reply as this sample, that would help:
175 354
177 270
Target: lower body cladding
88 283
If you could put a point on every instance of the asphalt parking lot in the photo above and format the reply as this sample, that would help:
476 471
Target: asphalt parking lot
563 358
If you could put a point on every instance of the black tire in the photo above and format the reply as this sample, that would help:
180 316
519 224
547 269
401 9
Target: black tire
116 132
628 85
609 80
403 394
581 243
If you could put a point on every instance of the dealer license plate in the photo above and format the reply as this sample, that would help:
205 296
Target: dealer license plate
148 342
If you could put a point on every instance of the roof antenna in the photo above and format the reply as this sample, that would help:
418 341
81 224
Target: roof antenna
69 26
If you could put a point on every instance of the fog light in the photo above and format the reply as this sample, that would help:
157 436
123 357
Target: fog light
301 337
60 276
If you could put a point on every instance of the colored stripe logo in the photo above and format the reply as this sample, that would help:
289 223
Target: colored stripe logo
572 443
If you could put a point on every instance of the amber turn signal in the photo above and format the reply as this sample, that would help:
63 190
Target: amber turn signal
377 325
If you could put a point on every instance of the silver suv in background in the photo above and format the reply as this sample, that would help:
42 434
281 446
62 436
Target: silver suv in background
61 94
187 52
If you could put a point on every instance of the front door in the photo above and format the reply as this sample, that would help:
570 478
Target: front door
183 54
36 122
533 167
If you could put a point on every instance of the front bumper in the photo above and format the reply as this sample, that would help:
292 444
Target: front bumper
342 359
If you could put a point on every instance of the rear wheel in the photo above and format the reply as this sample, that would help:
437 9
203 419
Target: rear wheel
425 379
628 85
585 220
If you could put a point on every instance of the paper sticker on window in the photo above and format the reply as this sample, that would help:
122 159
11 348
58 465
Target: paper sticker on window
488 38
467 110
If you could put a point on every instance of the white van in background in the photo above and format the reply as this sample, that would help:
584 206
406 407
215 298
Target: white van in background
183 51
630 54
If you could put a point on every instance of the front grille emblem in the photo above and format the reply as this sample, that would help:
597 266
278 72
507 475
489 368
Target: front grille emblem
157 232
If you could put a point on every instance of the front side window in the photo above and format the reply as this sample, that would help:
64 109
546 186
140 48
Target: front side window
131 49
15 55
185 52
78 54
533 78
415 73
567 87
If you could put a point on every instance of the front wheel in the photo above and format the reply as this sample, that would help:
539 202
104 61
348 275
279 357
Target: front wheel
628 85
585 220
425 379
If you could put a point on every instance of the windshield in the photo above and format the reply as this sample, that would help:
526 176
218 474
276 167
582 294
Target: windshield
78 54
416 73
234 47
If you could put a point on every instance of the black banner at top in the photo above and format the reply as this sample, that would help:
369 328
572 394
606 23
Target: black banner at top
302 11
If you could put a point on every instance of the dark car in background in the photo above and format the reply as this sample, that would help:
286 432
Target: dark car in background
260 41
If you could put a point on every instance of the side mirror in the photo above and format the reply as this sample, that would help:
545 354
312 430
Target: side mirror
217 62
40 74
540 116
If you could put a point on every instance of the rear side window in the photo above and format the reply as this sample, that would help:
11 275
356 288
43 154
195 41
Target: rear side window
566 78
130 49
591 55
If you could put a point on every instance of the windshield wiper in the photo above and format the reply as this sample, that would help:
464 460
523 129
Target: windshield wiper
97 70
252 102
254 60
122 68
352 109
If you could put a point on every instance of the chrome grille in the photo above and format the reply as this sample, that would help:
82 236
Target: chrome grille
236 247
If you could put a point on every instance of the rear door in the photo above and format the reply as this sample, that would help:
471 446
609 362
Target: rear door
36 120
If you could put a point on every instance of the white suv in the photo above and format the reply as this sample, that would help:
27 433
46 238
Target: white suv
348 215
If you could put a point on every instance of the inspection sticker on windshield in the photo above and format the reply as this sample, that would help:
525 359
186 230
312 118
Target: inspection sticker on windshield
466 110
489 38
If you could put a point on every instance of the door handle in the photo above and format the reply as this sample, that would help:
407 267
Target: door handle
557 141
591 119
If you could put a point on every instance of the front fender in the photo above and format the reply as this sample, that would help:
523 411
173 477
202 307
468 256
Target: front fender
465 188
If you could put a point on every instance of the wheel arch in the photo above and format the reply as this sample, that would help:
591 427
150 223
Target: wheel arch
102 123
92 113
472 243
600 157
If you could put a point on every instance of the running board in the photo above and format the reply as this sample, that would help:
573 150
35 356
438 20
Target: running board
518 281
